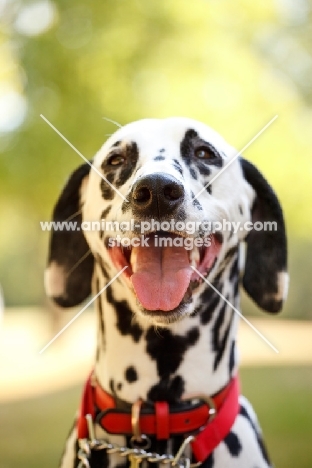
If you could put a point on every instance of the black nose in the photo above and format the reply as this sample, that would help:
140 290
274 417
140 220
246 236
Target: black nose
156 195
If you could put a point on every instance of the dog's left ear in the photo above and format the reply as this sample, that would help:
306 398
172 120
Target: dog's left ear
265 277
70 264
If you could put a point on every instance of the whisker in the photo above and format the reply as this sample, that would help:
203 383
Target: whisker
112 121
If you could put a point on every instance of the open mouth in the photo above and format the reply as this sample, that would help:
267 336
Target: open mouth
160 271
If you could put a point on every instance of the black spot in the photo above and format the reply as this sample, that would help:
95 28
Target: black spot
209 301
131 374
117 143
208 309
197 204
110 177
192 141
214 263
240 209
217 281
162 150
234 270
100 315
236 286
106 211
219 342
230 253
209 189
217 327
107 192
187 145
159 158
118 175
112 386
132 156
232 358
119 386
222 345
263 450
193 173
261 444
168 349
233 444
177 166
103 265
124 317
195 312
219 237
181 215
203 168
168 389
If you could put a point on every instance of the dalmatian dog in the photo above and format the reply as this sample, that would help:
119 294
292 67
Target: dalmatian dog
166 364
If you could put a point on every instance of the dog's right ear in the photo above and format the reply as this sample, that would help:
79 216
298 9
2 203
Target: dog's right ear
70 263
265 277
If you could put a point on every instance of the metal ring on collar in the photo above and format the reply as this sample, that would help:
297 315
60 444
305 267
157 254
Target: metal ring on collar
209 402
135 420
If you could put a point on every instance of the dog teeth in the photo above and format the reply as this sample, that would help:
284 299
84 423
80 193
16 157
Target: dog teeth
133 257
194 257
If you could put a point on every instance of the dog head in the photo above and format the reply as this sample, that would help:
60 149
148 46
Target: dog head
167 199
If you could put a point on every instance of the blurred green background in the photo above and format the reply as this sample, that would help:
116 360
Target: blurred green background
232 64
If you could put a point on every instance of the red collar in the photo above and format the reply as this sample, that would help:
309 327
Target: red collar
164 421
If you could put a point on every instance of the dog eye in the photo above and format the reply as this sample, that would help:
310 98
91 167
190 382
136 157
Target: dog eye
116 160
203 153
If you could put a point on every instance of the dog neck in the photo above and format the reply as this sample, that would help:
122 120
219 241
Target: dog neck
196 355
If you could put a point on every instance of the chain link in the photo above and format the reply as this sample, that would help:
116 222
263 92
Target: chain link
85 447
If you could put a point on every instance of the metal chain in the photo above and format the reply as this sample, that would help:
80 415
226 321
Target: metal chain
135 455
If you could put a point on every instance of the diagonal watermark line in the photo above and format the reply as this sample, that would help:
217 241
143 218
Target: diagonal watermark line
82 156
236 156
76 265
82 310
237 311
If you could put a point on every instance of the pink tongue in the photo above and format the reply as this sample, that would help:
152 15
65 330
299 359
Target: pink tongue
161 276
